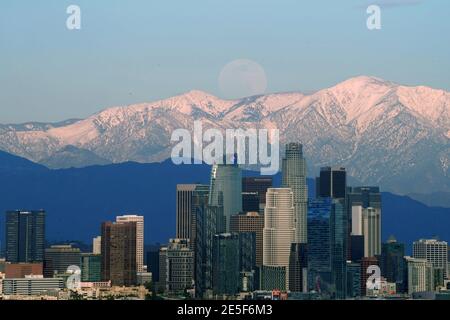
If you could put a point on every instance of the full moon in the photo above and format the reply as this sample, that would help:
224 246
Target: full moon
242 78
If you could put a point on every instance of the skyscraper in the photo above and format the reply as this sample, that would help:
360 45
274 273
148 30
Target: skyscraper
205 229
91 267
97 245
420 275
298 268
258 185
226 264
332 182
226 190
58 258
339 247
250 202
139 237
250 222
359 198
185 220
153 263
25 236
177 266
119 253
433 251
353 279
366 262
319 243
278 235
367 222
393 263
294 177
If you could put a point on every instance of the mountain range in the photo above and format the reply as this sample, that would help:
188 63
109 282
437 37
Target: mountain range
78 200
384 133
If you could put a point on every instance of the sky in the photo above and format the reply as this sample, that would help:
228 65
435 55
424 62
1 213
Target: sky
142 50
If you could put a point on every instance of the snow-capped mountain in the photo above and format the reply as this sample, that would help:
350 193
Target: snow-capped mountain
383 133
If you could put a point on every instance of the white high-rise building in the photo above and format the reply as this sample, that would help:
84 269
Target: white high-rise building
139 238
367 222
97 245
433 251
279 230
294 177
420 275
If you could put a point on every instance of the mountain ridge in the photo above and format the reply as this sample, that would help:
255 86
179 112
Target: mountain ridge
383 132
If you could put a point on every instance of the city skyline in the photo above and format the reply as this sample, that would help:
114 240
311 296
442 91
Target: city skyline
342 248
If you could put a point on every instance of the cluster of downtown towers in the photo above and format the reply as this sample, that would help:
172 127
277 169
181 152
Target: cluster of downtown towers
241 235
245 235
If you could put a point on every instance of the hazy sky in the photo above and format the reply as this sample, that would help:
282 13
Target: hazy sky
132 51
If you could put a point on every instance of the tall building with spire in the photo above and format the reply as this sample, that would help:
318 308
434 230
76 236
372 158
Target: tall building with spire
294 177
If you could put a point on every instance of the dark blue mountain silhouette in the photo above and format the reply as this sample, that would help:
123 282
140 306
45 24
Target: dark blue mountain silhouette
78 200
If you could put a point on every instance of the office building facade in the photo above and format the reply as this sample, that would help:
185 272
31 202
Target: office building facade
250 222
278 235
139 220
294 177
58 258
25 236
91 266
119 253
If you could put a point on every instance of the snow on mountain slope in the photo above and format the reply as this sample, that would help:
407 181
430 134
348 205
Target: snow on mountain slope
383 132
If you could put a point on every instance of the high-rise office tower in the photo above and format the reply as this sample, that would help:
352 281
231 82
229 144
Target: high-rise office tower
319 243
91 267
177 266
163 271
366 262
357 245
226 190
185 219
278 235
433 251
139 220
393 263
367 222
298 268
226 264
208 223
339 246
153 263
294 177
58 258
119 253
250 202
97 245
25 236
353 279
420 275
360 197
247 251
250 222
332 182
258 185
